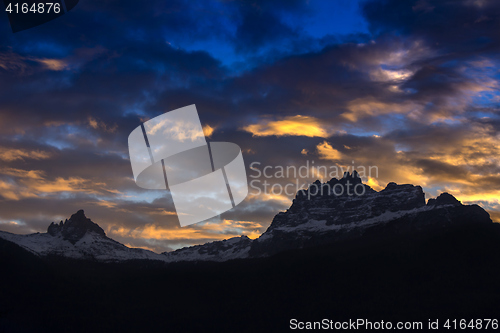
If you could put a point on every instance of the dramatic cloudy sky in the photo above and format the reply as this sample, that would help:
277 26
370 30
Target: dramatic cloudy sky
408 86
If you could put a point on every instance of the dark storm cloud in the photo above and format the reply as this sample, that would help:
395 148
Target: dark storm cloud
261 23
466 27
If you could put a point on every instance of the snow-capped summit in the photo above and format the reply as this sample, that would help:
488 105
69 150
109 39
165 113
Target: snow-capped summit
78 238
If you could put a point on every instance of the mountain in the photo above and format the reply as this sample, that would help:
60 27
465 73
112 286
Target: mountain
228 249
338 210
325 216
78 238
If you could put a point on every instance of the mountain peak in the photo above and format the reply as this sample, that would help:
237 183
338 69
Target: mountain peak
444 199
79 214
348 175
75 228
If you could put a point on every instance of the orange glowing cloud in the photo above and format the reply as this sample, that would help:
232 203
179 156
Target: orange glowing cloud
208 130
495 216
327 152
290 126
32 183
53 64
9 155
216 231
11 191
375 184
100 125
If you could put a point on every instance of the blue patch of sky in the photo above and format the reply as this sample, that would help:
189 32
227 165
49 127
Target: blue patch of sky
136 110
59 144
45 49
341 17
359 131
487 97
433 192
65 195
324 18
493 114
393 122
60 137
489 205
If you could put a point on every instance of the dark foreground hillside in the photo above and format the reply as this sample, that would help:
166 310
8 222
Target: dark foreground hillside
451 273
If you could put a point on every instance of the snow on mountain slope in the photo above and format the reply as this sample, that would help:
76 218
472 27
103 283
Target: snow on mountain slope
323 217
233 248
78 238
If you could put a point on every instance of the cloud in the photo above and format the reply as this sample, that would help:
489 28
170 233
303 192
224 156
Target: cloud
261 24
11 191
385 75
369 106
33 183
495 216
290 126
53 64
208 130
208 231
326 151
100 125
10 154
12 62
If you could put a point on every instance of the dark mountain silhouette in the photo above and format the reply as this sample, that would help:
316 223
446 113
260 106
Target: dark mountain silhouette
332 211
384 255
325 213
75 228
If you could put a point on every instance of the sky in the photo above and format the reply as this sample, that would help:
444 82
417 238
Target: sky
408 87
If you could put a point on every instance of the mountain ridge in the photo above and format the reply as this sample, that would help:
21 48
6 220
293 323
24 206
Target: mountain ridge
314 219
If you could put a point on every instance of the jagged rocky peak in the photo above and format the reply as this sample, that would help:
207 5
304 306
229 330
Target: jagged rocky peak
349 184
444 199
322 214
346 201
354 176
75 228
336 192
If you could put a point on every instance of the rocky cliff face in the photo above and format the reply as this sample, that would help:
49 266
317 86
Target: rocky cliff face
327 216
75 228
342 209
